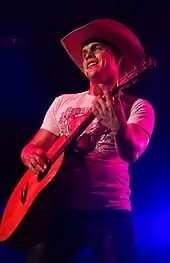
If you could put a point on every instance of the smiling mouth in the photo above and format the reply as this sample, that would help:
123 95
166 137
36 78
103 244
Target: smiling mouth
91 64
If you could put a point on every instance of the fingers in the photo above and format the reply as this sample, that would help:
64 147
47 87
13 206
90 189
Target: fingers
107 105
109 99
41 161
114 103
37 164
37 161
35 167
117 97
100 103
100 106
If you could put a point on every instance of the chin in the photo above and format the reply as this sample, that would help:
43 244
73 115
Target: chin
95 75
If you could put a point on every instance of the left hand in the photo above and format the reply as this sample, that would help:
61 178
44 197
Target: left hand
110 112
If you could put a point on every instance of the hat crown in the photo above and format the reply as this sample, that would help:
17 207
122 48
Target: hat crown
111 31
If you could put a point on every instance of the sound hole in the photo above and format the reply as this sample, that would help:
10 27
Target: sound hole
24 193
41 175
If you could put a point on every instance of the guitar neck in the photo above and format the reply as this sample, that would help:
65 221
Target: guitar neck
56 150
81 128
126 81
78 131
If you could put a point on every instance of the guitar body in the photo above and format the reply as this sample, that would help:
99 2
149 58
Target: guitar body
36 201
25 223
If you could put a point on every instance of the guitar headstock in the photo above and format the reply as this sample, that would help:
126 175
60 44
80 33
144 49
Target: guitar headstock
134 75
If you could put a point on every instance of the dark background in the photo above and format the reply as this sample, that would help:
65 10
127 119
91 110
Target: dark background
34 69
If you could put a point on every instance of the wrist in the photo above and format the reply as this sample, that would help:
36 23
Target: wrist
122 131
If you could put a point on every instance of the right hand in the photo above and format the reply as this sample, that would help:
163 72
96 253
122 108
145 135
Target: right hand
36 160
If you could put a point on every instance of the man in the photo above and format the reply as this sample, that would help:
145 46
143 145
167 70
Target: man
94 205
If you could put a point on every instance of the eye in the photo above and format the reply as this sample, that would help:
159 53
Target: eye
83 54
98 48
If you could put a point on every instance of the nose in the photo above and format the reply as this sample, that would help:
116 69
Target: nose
89 55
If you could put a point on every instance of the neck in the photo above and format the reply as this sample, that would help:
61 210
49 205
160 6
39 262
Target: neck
97 89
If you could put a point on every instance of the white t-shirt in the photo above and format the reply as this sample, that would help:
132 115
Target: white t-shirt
108 173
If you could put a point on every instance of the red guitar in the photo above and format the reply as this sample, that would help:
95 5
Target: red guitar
31 204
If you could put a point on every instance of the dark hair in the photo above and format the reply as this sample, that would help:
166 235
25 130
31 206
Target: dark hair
105 42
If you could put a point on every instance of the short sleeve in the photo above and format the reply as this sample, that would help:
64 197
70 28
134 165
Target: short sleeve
142 113
50 120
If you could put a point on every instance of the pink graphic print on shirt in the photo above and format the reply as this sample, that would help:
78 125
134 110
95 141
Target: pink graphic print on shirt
72 117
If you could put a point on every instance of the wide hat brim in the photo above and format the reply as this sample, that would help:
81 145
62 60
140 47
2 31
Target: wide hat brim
112 31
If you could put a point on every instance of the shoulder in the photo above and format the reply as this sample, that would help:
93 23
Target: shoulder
134 103
142 113
142 106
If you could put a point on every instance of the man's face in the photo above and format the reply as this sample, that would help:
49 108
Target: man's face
99 62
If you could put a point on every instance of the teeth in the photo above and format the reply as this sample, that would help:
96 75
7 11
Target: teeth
92 63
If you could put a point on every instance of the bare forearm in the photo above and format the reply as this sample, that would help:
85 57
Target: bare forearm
127 144
43 139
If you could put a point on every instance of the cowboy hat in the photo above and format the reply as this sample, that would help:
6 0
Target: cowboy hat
113 32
